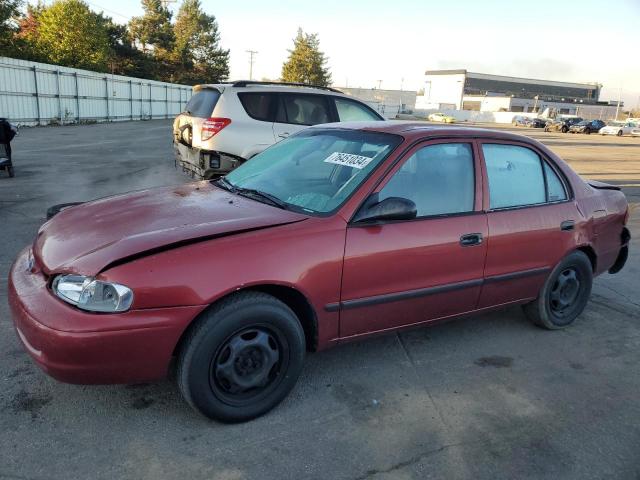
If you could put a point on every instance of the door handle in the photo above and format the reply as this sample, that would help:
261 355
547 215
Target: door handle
567 225
283 134
470 239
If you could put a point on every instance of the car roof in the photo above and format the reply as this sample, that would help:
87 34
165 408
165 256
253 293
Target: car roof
414 130
271 87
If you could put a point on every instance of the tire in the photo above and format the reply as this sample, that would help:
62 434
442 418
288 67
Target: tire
241 358
564 130
564 295
587 131
55 209
619 134
11 172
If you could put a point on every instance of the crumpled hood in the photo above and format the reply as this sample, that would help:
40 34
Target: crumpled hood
87 238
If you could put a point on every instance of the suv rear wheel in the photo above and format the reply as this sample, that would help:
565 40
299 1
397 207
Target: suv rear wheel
241 358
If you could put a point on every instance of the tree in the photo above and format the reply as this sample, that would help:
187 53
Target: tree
124 57
153 29
70 34
9 15
306 63
197 51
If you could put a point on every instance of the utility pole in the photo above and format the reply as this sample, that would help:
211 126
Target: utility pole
379 84
618 106
251 54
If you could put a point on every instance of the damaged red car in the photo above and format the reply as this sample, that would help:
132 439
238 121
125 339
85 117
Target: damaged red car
336 233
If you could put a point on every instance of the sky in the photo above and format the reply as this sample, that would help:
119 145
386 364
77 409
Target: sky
391 43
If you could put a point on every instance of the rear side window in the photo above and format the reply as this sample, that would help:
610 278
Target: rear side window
555 187
515 176
258 105
202 103
350 111
439 179
306 109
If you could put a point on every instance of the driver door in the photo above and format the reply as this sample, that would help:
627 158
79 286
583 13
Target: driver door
399 273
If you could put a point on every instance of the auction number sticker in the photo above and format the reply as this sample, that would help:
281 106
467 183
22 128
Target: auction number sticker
348 160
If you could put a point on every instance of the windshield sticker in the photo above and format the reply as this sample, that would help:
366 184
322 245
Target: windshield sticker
348 160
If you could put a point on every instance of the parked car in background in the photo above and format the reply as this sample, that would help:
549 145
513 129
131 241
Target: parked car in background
618 128
520 121
225 124
334 234
441 117
562 124
635 132
538 122
587 126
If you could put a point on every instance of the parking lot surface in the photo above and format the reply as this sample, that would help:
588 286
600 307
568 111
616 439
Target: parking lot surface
483 397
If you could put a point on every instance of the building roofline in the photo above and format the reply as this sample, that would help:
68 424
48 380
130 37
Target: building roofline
489 76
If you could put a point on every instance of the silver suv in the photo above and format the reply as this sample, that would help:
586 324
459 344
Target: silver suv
225 124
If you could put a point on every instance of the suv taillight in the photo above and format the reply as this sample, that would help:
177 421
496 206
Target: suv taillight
211 126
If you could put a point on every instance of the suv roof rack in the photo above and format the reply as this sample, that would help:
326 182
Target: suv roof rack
244 83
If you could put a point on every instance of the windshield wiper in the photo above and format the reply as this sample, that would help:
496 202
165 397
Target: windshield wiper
224 183
251 193
258 194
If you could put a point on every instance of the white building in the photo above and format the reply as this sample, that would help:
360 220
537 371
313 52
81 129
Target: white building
388 103
479 92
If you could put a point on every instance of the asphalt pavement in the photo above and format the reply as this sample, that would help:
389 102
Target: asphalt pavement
486 397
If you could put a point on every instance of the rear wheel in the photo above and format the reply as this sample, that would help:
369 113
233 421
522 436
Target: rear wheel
564 294
619 134
241 358
564 130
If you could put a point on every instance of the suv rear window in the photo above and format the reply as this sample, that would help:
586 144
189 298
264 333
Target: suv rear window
202 103
257 105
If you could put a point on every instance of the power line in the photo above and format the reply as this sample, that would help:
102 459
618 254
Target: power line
113 12
251 54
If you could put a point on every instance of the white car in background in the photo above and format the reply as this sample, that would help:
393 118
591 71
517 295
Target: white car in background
618 128
225 124
636 131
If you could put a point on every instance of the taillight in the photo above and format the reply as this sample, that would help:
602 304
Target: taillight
211 126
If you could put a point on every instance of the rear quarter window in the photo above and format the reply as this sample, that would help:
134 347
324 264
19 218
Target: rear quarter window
202 103
258 105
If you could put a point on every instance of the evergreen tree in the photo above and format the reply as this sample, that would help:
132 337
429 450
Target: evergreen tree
9 15
197 51
153 30
306 63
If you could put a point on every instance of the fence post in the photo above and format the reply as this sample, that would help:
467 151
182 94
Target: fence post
75 76
35 80
59 94
106 91
166 101
131 99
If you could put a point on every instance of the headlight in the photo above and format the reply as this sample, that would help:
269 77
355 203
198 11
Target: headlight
93 295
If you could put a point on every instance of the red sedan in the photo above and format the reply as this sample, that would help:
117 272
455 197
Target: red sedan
333 234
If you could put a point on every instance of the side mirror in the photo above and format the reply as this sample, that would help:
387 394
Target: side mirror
392 208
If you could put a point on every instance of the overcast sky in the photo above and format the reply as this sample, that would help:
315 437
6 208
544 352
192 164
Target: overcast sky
370 40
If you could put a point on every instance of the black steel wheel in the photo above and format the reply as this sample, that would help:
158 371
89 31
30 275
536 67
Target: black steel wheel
565 293
564 129
241 357
619 134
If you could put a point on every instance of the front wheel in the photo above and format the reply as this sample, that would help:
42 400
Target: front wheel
241 358
564 130
619 134
564 295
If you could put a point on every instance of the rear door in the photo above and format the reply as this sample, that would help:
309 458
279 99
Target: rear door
531 221
296 111
399 273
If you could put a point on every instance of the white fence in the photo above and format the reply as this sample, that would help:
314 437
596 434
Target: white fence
40 94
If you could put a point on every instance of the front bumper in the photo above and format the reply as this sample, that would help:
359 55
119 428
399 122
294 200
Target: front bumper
89 348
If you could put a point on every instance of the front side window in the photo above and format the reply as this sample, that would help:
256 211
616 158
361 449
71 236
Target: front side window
519 177
306 109
350 111
317 169
439 179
